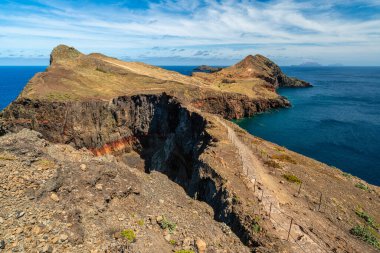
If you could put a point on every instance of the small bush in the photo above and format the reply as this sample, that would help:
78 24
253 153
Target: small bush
365 216
272 164
362 186
284 158
366 234
184 251
256 228
292 178
129 234
172 242
345 174
140 223
167 224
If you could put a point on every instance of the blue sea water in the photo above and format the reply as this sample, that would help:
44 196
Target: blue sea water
13 80
336 122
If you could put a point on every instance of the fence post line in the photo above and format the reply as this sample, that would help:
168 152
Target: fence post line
254 186
270 209
299 190
320 201
290 228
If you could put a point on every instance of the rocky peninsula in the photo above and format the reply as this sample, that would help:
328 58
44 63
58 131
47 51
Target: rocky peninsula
101 155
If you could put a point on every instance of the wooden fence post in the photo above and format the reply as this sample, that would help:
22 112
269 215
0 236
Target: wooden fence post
270 209
320 201
290 228
299 190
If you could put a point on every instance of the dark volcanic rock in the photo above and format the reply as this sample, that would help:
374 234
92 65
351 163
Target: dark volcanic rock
207 69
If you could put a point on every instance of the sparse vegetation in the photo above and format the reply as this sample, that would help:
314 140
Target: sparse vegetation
167 224
45 164
292 178
362 186
129 234
272 164
184 251
140 223
256 228
348 175
368 219
172 242
366 234
284 158
7 158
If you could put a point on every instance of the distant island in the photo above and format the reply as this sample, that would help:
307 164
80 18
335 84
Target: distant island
316 64
207 69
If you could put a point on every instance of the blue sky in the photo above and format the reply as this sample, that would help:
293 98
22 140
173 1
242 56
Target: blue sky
192 32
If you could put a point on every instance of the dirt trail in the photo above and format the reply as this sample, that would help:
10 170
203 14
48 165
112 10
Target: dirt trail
269 193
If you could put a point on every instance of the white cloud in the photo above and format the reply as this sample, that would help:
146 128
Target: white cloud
220 27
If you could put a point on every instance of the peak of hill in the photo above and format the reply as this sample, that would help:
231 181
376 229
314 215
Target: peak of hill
257 69
128 157
62 53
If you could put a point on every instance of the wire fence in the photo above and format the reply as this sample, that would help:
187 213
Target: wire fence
271 212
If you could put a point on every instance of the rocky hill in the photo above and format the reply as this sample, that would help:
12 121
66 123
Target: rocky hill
101 155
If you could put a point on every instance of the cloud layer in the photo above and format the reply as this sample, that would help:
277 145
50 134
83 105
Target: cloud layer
185 32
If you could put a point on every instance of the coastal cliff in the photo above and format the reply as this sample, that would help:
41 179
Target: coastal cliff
116 148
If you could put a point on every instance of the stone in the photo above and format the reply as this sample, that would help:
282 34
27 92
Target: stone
19 230
282 182
201 245
55 239
54 197
19 214
99 187
2 244
161 201
63 238
47 249
1 220
83 167
167 237
159 218
186 242
36 230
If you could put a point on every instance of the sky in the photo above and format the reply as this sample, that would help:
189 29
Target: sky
194 32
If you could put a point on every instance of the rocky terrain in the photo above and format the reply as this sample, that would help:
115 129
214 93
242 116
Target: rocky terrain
100 155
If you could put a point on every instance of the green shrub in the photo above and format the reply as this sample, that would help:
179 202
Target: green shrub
366 234
362 186
140 223
184 251
172 242
167 224
292 178
284 158
348 175
365 216
272 164
129 234
256 228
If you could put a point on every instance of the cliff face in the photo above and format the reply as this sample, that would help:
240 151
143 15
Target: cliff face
168 137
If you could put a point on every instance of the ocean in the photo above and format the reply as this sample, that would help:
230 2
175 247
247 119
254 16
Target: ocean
336 122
